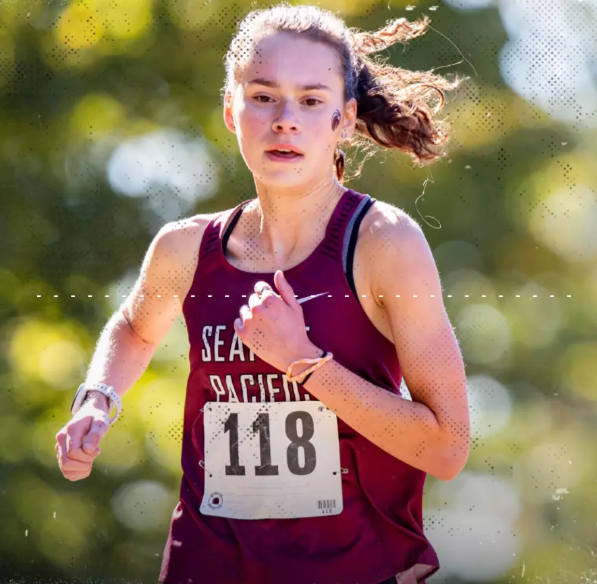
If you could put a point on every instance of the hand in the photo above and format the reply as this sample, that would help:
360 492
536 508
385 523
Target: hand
273 326
77 444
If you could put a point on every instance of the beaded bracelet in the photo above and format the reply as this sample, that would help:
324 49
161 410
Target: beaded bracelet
307 373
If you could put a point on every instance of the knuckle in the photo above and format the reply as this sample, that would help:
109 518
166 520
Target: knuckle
79 475
99 427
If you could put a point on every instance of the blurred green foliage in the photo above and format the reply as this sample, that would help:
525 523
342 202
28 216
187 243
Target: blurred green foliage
510 215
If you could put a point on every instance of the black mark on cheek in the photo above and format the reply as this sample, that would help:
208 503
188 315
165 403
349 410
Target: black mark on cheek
335 119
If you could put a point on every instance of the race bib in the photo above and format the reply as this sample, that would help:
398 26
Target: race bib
271 460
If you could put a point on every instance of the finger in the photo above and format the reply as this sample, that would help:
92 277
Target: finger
261 287
75 449
245 313
69 466
254 301
68 470
265 291
268 298
66 463
76 430
77 476
238 326
285 289
98 430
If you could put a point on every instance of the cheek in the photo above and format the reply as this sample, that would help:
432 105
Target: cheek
253 119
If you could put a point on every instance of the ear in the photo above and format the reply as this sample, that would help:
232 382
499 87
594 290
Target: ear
228 118
350 114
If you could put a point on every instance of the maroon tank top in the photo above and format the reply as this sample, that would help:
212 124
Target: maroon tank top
379 532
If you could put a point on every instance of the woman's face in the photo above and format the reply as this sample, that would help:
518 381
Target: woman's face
282 108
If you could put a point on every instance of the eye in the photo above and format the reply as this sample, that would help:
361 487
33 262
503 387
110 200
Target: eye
258 98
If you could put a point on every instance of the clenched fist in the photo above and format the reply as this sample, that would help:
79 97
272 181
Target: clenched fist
77 443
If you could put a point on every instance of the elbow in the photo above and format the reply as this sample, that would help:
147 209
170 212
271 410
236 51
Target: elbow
452 463
448 474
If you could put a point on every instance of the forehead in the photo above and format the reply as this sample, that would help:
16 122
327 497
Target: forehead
288 59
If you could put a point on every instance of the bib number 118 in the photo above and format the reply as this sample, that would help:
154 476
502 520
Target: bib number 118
261 426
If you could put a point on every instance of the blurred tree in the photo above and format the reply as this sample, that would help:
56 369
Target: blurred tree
111 125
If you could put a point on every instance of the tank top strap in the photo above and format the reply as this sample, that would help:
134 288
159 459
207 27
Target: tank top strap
342 226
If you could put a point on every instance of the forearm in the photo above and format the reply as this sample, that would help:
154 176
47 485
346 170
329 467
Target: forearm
405 429
119 360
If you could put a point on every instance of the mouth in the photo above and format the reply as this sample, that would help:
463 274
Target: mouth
283 155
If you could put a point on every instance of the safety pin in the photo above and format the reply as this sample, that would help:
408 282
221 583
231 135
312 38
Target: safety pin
202 465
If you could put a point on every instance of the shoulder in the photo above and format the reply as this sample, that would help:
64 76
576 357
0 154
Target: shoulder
395 245
182 234
174 251
187 225
384 225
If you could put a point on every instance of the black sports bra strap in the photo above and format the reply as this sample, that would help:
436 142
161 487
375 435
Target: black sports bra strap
350 240
231 225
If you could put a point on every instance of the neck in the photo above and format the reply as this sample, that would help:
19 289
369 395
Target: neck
293 220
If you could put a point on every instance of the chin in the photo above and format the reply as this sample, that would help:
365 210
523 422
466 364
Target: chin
280 178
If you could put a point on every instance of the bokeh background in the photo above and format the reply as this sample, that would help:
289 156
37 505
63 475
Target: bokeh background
111 126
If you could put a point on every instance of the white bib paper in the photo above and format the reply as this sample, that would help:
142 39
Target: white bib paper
271 460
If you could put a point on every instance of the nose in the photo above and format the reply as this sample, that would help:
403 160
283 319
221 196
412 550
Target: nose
286 120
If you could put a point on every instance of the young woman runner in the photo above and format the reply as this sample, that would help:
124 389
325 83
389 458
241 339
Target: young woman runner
305 306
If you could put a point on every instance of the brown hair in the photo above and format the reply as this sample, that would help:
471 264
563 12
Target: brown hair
392 108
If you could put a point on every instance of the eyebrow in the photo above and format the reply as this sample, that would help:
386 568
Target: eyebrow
310 87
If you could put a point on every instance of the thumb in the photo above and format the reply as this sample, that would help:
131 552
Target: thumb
97 431
88 447
285 289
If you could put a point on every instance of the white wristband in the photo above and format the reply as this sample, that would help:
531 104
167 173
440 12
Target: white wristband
107 390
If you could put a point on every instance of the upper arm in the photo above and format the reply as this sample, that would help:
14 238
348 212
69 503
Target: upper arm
164 279
406 276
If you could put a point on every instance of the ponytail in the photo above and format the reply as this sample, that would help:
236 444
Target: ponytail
392 103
